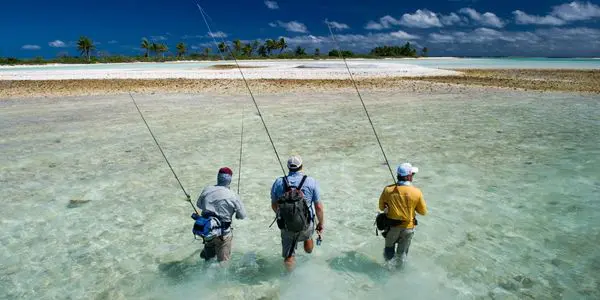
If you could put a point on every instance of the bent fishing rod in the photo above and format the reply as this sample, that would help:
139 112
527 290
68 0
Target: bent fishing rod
189 199
339 49
228 49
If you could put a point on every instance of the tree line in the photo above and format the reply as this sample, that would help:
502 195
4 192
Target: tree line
270 48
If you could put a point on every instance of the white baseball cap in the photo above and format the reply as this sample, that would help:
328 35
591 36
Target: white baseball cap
294 162
406 169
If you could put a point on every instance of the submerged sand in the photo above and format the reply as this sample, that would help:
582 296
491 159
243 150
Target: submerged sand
587 81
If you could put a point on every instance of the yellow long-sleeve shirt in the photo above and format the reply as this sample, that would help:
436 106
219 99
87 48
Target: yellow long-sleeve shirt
402 201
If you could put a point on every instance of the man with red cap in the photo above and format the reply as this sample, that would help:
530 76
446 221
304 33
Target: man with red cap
224 203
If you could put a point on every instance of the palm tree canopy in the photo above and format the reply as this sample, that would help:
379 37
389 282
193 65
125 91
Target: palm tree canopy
85 45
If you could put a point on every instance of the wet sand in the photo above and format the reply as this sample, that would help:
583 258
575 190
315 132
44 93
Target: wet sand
585 81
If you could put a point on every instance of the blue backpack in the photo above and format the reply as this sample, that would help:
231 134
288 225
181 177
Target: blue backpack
208 225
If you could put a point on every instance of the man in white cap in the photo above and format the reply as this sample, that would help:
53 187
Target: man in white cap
296 200
401 202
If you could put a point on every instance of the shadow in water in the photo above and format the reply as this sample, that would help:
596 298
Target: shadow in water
353 261
245 268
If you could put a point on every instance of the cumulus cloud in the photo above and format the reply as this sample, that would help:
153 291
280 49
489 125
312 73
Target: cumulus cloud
561 14
384 23
357 42
524 18
218 34
271 4
555 41
485 19
336 25
272 24
576 11
421 19
57 44
31 47
293 26
158 38
451 19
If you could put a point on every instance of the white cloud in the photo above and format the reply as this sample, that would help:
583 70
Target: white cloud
218 34
271 4
561 14
523 18
441 38
336 25
384 23
360 42
483 36
31 47
158 38
421 19
486 19
57 44
113 42
576 11
450 19
272 24
372 25
293 26
403 35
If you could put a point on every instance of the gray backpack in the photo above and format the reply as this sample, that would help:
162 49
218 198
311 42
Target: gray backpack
294 214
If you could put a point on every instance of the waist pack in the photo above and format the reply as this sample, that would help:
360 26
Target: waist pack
384 223
293 211
208 225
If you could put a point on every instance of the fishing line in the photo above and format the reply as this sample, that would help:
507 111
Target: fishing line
241 151
163 154
361 99
210 31
253 100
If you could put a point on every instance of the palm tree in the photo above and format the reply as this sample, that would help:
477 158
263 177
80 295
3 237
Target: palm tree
85 45
282 45
222 47
181 49
425 52
317 52
300 51
262 50
237 46
206 52
247 50
154 48
162 48
270 45
146 46
255 46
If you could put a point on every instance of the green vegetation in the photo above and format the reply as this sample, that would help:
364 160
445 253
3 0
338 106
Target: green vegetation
159 52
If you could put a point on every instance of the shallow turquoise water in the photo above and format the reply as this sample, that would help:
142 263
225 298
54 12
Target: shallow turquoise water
511 179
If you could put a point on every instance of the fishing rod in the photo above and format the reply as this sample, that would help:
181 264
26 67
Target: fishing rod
361 100
163 154
251 96
241 151
210 31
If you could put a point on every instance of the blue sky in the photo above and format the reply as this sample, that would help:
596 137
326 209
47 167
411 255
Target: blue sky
447 27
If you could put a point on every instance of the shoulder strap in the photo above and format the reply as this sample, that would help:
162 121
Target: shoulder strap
302 182
286 184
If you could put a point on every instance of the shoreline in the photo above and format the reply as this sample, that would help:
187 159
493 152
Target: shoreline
581 81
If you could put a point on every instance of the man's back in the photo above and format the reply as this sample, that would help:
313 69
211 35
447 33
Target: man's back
222 201
309 188
402 201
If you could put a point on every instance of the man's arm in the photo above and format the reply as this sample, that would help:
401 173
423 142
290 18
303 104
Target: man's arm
201 203
382 200
319 208
274 196
421 207
240 210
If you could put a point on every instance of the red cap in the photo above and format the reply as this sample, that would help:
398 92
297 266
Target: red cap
226 170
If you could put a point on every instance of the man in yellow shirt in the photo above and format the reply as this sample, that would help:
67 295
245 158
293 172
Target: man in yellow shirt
401 202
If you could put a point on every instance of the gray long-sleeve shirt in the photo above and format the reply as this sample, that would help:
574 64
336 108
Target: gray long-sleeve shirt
222 201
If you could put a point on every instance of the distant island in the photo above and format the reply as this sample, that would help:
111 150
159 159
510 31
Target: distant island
159 52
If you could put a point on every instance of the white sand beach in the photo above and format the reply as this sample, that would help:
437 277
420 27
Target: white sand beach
282 69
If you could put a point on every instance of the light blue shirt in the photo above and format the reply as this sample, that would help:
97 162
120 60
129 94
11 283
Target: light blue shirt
310 188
